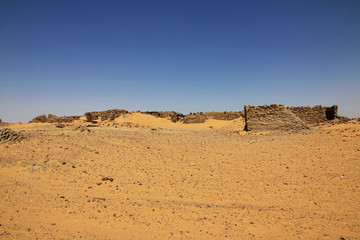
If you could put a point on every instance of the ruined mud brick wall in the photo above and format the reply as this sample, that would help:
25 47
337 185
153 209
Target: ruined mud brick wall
271 118
316 114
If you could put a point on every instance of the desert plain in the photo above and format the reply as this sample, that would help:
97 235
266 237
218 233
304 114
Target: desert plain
142 177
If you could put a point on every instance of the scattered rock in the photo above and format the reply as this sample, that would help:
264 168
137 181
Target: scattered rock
107 179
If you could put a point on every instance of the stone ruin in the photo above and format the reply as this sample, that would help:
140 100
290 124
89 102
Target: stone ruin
257 118
270 118
277 117
9 136
316 114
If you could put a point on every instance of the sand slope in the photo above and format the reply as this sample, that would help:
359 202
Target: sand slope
145 120
176 181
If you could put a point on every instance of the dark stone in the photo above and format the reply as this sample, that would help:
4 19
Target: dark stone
107 179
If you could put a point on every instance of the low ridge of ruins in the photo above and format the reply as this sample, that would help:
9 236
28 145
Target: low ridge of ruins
272 117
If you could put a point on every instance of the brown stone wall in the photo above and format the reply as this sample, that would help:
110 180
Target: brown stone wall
316 114
271 118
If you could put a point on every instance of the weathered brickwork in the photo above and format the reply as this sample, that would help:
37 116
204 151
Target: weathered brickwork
271 118
316 114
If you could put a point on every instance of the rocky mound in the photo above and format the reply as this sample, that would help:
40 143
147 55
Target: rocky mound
53 119
9 136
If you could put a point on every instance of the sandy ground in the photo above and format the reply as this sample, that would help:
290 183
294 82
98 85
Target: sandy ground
174 181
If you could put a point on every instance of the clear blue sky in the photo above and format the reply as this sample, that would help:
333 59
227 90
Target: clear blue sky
69 57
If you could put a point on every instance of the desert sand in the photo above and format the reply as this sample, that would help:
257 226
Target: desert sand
142 177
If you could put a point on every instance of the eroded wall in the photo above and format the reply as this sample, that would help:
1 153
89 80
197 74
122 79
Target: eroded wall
271 118
316 114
